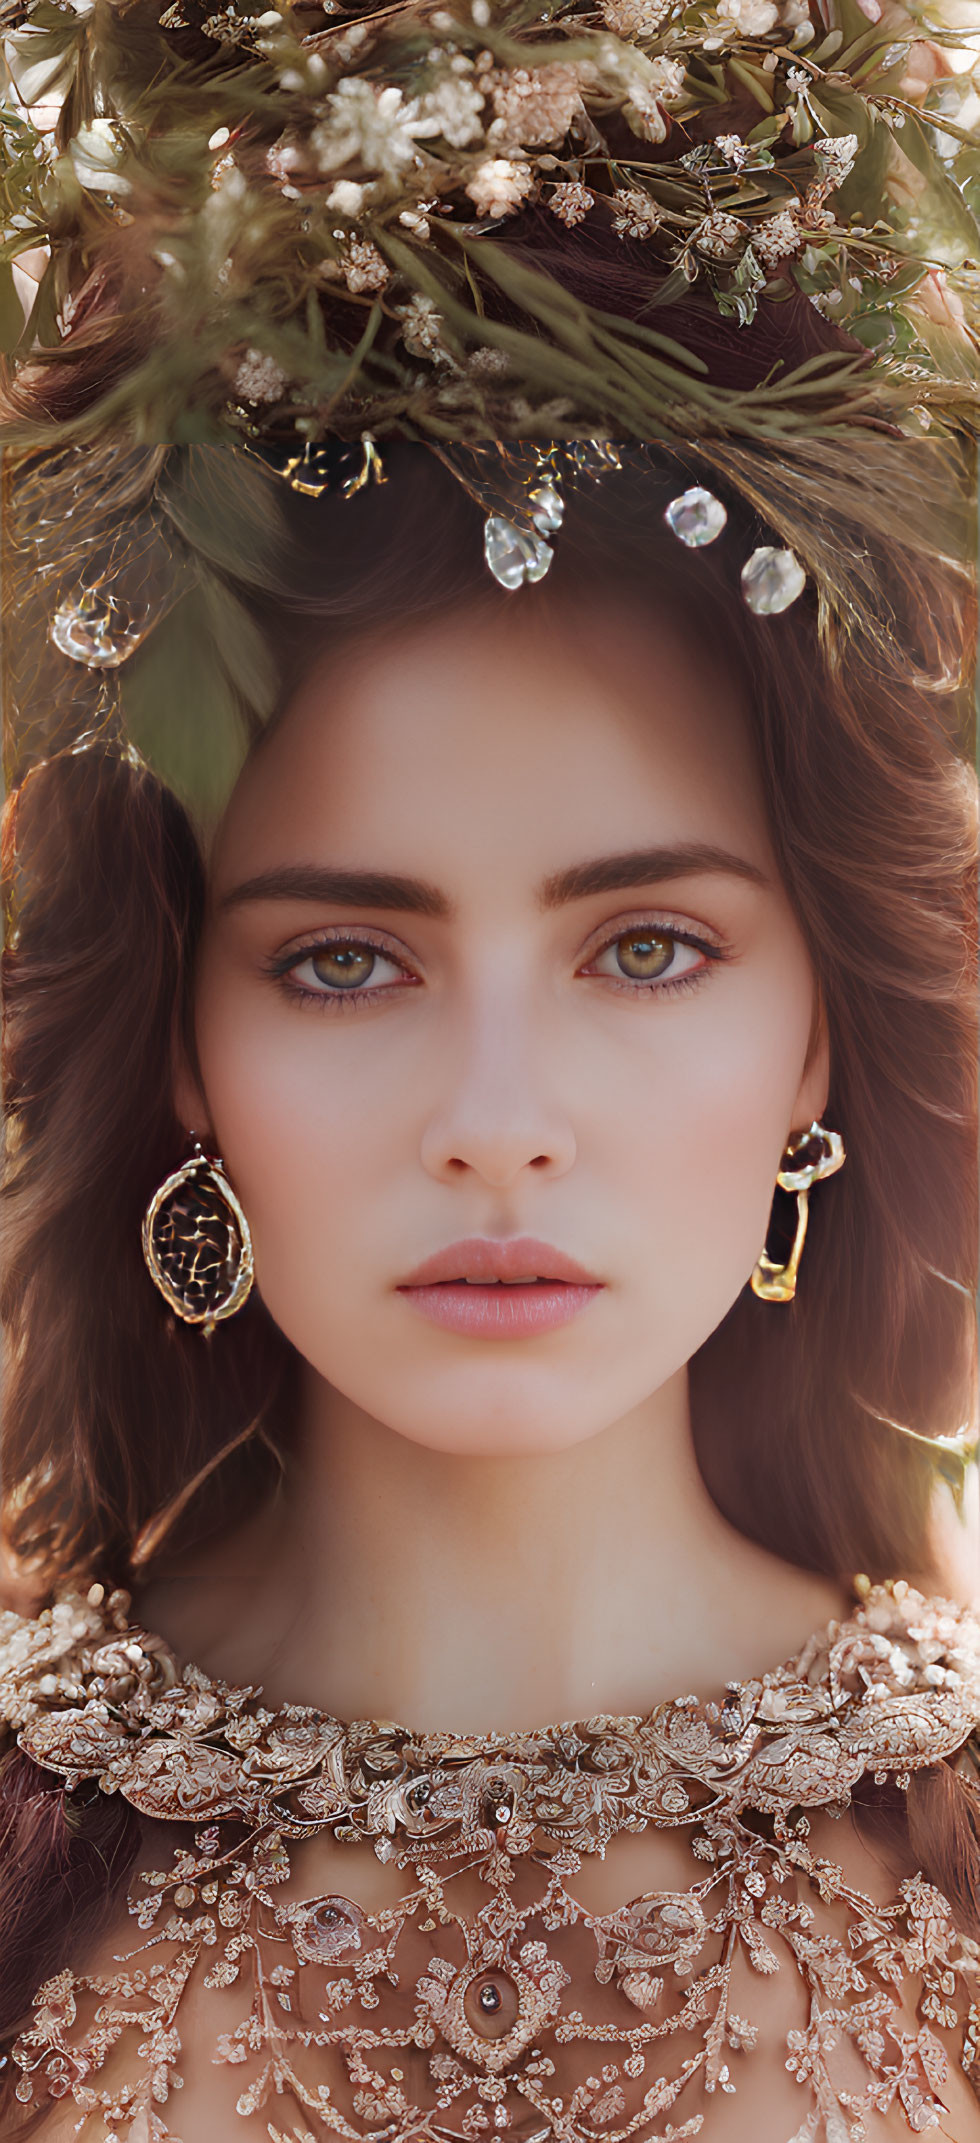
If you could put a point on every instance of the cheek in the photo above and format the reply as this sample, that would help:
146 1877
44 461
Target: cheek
697 1138
309 1128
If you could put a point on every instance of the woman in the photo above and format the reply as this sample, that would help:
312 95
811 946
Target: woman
539 934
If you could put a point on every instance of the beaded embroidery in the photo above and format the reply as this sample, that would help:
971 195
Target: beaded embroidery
521 2014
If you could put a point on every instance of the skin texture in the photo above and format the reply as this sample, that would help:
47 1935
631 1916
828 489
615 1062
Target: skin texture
475 1533
449 1494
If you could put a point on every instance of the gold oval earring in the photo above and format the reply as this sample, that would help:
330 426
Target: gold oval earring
808 1158
197 1243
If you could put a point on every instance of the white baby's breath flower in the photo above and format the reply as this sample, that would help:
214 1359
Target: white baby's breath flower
229 187
367 126
837 153
733 149
422 330
570 201
533 105
488 363
636 215
452 108
346 47
283 161
304 73
364 267
794 17
226 168
666 77
498 186
259 378
776 238
347 197
635 18
720 235
751 18
416 220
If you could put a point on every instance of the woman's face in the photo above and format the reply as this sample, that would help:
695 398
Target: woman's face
569 1002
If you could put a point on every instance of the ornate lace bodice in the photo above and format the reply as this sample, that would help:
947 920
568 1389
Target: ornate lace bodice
486 1999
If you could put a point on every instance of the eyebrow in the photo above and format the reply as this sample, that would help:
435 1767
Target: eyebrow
416 896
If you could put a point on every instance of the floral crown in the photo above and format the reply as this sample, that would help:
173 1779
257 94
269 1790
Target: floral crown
310 220
742 229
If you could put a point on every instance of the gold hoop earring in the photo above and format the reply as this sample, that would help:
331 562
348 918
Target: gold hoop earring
197 1243
824 1155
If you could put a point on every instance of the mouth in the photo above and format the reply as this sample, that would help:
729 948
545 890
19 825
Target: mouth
514 1261
527 1279
500 1289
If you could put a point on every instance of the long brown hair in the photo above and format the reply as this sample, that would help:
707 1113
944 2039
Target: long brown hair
125 1433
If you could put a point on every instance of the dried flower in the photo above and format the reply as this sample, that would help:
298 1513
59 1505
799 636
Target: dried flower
837 153
284 160
533 106
259 378
453 108
364 125
751 18
776 238
364 268
732 148
637 216
347 197
488 362
720 235
635 18
498 186
422 330
666 76
794 21
570 201
416 220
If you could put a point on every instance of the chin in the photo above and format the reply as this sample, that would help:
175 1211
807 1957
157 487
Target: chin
529 1431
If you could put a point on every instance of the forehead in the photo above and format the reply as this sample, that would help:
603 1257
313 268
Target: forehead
518 735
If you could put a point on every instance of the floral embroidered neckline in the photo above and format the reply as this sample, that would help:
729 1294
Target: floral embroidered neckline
440 2018
91 1694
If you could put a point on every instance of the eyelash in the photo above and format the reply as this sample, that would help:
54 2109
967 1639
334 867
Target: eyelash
279 968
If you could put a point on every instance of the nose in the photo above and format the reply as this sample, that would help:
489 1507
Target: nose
500 1109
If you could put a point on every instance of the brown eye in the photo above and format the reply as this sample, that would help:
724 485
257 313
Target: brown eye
349 966
644 954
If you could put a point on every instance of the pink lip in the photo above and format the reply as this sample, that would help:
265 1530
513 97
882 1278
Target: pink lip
437 1287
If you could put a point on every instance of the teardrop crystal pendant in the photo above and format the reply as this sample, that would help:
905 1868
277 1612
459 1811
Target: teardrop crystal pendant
91 627
771 580
514 555
547 508
197 1243
696 518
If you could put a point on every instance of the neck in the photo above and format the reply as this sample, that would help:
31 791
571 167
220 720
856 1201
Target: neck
388 1580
